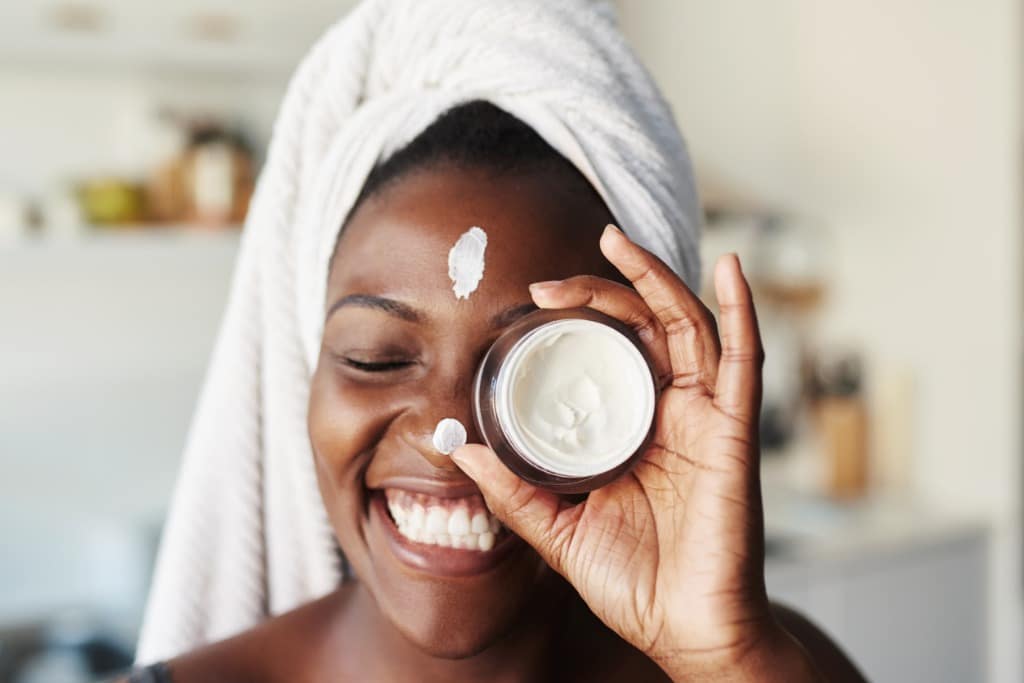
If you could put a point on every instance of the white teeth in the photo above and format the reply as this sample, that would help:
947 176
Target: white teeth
458 523
437 521
417 516
479 523
462 525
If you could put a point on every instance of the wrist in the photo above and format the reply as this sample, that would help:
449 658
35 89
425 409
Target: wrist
773 654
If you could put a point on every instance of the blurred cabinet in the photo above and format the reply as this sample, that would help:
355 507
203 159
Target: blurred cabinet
908 611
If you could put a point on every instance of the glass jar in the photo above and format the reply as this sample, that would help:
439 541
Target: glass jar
566 398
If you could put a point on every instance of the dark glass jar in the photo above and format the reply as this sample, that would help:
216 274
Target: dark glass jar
566 398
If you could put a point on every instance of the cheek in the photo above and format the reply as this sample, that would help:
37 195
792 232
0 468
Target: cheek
345 423
347 416
341 421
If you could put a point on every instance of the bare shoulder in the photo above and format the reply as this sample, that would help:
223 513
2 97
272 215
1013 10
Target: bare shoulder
282 648
833 663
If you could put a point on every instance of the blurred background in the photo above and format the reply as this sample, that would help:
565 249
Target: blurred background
863 158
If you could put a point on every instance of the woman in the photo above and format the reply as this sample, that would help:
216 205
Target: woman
351 344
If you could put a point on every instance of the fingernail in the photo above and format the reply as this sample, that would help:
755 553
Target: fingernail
612 228
736 258
546 286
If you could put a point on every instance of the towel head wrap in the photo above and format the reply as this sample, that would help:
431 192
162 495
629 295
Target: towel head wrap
247 534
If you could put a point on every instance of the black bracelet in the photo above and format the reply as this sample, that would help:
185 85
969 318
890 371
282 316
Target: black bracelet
155 673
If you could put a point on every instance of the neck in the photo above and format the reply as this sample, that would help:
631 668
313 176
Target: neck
525 653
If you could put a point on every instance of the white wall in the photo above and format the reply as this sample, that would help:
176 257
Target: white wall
896 123
103 347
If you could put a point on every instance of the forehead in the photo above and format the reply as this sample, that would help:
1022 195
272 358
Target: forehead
537 228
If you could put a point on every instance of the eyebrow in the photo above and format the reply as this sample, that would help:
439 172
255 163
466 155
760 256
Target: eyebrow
380 303
410 314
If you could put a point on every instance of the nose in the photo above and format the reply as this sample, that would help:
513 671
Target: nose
449 396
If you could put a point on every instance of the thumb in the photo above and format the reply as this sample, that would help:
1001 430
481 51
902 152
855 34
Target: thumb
539 517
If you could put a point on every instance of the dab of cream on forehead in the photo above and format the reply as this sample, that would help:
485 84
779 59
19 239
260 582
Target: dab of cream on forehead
466 262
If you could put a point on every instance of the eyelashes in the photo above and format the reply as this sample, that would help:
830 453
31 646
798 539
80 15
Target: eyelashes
373 362
387 366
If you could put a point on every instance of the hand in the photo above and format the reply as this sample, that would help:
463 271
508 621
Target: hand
671 555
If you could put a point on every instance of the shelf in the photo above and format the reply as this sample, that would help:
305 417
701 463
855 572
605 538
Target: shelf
143 236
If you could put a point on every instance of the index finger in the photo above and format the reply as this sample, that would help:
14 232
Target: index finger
615 299
689 326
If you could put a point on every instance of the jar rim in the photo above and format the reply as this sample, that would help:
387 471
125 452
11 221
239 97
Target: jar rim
513 431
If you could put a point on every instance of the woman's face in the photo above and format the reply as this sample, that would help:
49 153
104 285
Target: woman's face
398 355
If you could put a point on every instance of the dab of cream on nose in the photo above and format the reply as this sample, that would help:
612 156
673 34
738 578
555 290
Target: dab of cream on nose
466 262
449 435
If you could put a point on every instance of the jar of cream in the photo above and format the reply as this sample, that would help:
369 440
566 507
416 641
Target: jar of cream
566 399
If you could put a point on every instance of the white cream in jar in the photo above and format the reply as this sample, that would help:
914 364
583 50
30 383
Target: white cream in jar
566 398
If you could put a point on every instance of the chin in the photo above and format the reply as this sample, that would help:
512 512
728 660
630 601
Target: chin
455 619
445 638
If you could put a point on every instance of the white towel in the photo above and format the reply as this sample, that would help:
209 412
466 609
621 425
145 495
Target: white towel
247 535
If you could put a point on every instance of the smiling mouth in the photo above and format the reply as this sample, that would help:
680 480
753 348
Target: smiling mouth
462 523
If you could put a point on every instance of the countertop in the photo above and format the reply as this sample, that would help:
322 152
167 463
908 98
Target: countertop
802 530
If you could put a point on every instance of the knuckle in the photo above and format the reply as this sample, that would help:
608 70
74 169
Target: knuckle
584 281
592 289
678 319
685 379
734 355
649 273
666 379
689 379
736 312
646 327
580 287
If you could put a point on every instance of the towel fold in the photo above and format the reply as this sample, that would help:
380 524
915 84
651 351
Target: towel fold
247 534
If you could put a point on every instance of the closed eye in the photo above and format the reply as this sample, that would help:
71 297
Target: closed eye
377 367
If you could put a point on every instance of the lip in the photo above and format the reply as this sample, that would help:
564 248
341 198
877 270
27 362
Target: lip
431 487
434 559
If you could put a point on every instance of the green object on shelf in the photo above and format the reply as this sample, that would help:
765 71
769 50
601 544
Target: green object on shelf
111 202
